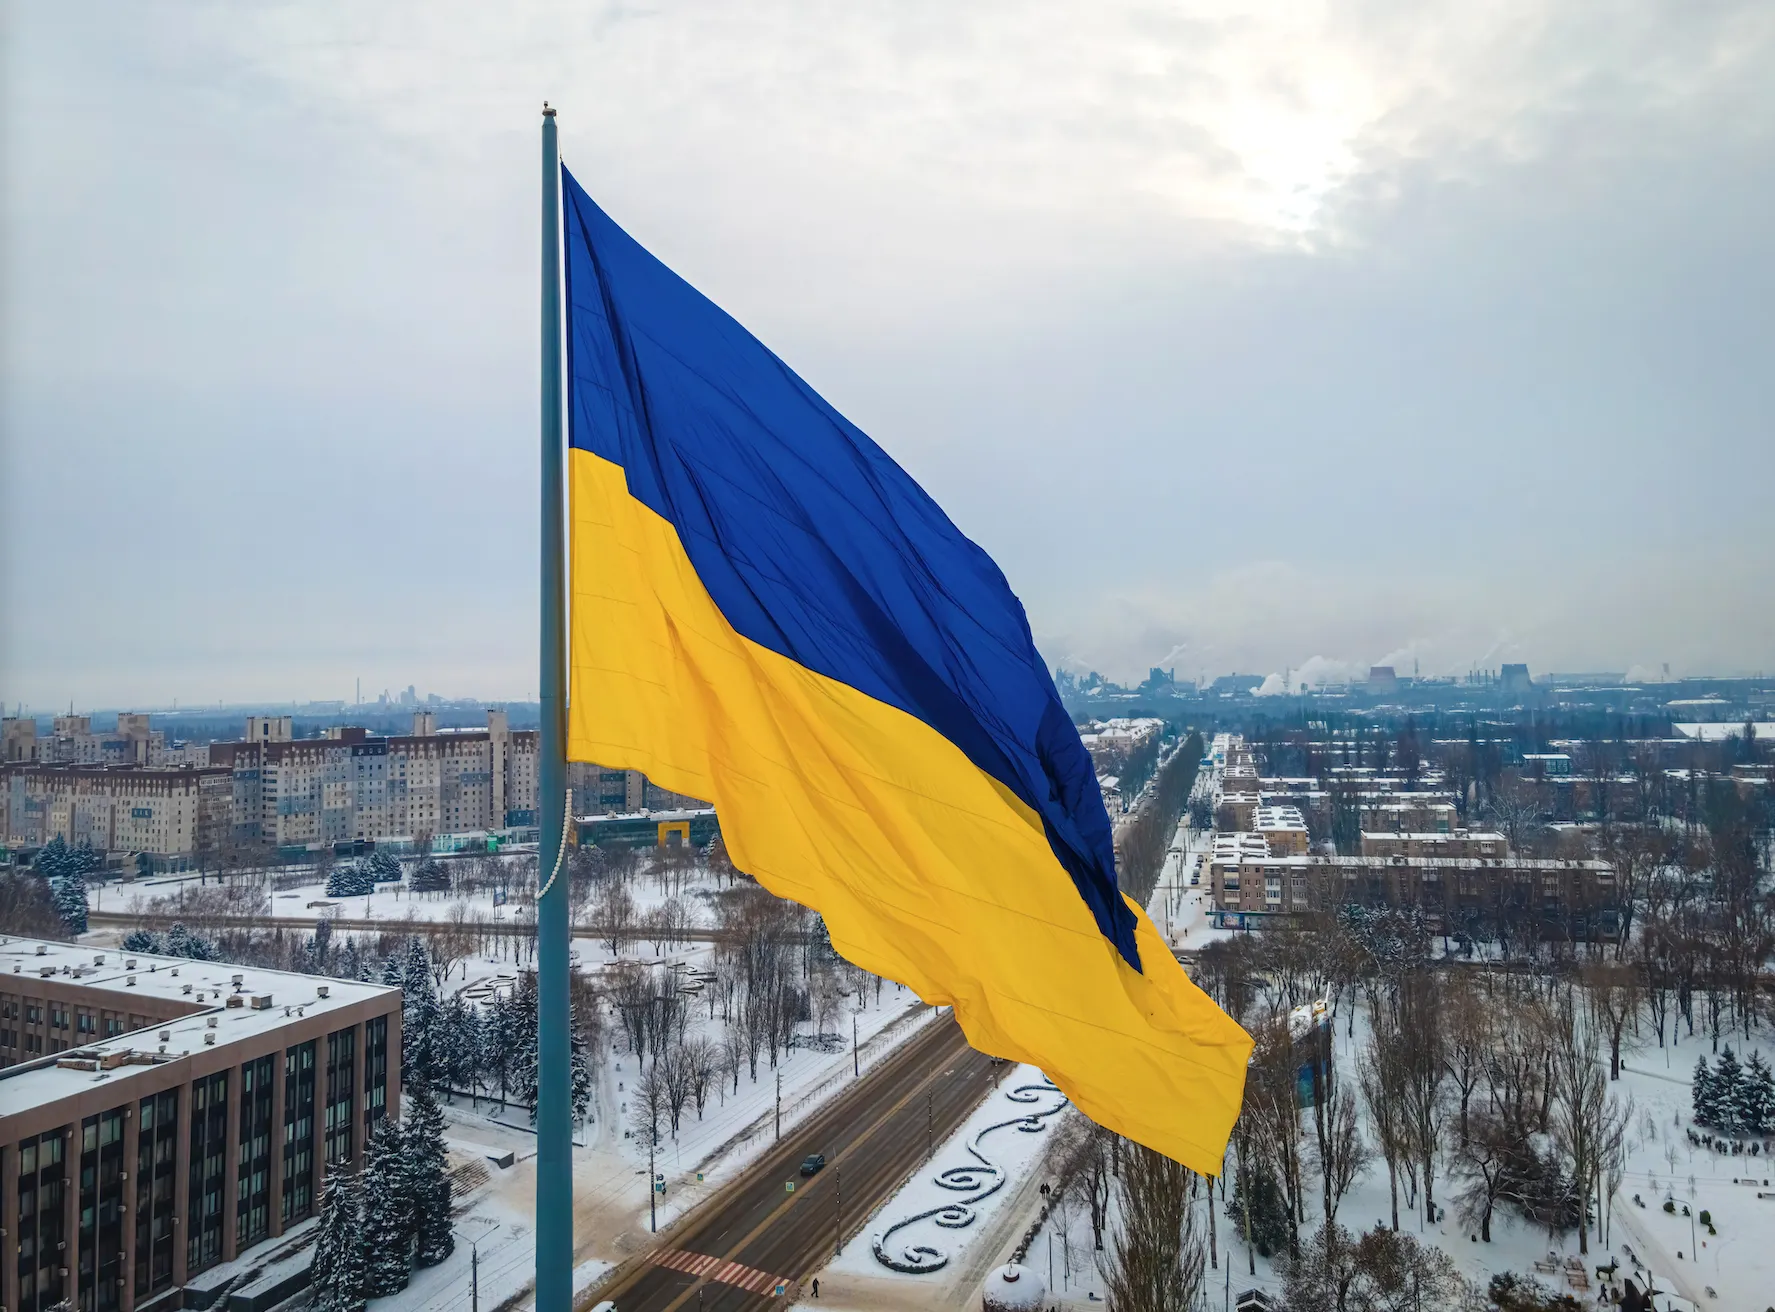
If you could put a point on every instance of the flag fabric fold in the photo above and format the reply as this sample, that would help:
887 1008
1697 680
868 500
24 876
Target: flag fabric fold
768 613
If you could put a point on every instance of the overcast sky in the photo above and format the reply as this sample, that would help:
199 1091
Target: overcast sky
1243 335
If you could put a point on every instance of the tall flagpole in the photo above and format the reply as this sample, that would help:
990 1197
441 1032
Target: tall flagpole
554 1130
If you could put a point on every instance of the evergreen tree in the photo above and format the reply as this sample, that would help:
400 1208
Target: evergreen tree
1728 1076
181 942
142 940
1706 1102
520 1020
424 1043
53 858
384 867
389 1220
350 879
69 895
580 1065
337 1272
431 877
429 1176
1756 1097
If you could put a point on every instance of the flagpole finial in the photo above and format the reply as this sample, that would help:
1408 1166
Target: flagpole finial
548 110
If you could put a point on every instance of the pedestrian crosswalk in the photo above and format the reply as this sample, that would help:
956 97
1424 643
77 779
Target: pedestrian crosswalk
717 1268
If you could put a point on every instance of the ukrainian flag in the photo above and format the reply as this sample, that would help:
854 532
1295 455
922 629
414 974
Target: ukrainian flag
769 613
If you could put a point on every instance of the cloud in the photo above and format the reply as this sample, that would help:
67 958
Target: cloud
1235 333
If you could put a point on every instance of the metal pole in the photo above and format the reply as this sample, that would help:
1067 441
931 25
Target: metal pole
779 1102
856 1062
838 1216
474 1279
652 1184
554 1132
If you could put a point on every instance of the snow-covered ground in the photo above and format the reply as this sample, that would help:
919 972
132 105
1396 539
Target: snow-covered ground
1738 1265
932 1220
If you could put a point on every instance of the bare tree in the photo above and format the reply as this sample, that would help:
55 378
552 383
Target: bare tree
1156 1261
1382 1080
1344 1156
1484 1162
1615 997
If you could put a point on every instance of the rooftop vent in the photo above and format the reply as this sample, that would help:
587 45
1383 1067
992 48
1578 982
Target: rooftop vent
165 1035
261 1002
129 981
209 1022
238 979
43 949
321 991
186 989
209 1038
46 971
235 1000
129 963
98 959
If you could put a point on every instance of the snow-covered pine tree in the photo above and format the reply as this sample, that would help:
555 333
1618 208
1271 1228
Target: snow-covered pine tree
385 867
143 940
69 896
581 1065
1756 1097
431 877
1728 1076
388 1211
423 1138
1705 1103
462 1044
521 1018
416 970
337 1272
181 942
53 858
350 879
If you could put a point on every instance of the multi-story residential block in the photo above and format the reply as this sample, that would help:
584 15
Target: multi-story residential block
351 785
18 739
159 1116
174 816
1583 897
1283 829
1461 843
72 741
1411 816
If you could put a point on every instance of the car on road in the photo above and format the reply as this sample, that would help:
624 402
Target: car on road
812 1163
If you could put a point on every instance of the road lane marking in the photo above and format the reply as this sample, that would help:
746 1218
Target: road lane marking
705 1267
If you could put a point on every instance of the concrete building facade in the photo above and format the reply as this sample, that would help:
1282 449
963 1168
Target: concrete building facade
351 785
160 1116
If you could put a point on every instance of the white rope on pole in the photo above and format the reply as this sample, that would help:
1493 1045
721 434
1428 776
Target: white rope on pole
561 851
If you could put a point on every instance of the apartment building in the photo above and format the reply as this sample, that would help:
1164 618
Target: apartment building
159 1116
1580 895
1462 843
352 785
1283 829
173 815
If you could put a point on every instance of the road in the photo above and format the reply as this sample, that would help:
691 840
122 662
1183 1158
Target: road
344 924
733 1251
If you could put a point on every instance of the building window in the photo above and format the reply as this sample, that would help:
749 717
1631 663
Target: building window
209 1168
298 1182
341 1076
375 1073
101 1212
157 1142
41 1232
253 1187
